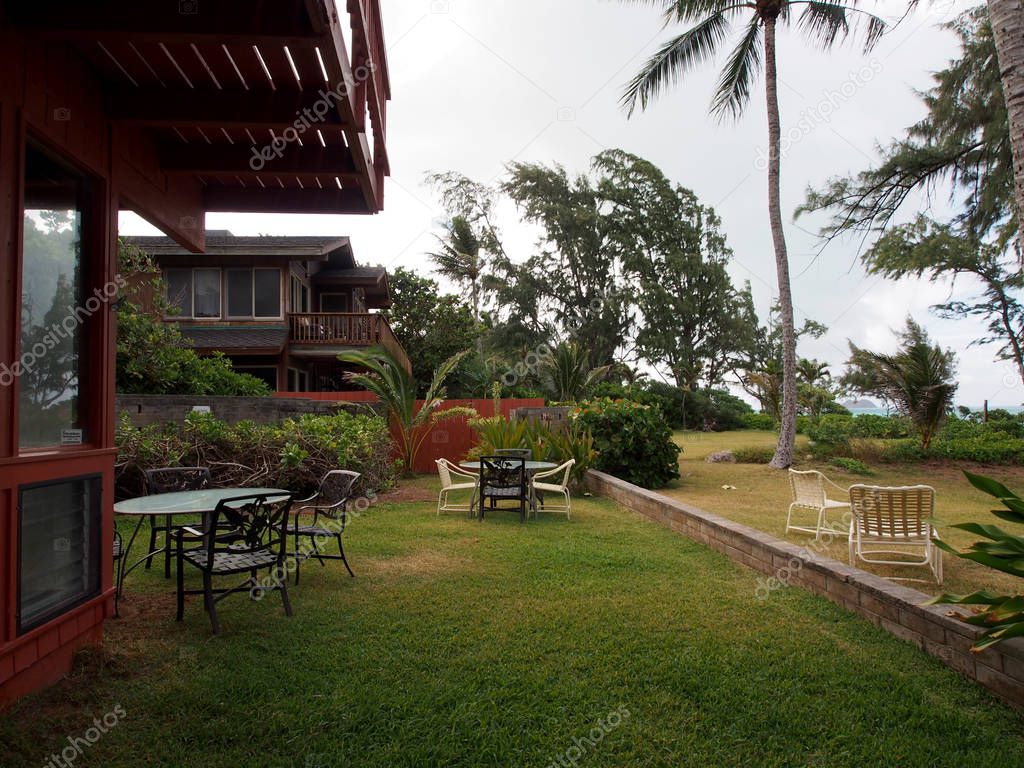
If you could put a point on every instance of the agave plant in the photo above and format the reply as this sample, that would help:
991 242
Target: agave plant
396 388
1003 616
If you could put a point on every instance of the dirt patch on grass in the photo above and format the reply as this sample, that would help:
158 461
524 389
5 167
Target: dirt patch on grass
425 562
407 494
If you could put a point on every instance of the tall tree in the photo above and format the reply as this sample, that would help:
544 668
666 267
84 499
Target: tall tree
963 142
826 22
1008 28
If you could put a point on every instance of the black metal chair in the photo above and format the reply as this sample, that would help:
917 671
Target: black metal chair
503 478
170 480
328 506
244 534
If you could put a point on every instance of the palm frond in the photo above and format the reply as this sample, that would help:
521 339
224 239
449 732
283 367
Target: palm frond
825 22
673 59
737 78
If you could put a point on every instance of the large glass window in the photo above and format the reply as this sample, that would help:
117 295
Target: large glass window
239 292
266 293
254 292
179 290
194 292
207 292
59 548
54 310
300 296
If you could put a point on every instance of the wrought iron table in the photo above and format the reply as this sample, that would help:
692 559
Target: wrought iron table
532 468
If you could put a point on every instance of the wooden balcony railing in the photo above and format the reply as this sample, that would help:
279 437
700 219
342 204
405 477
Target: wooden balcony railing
345 329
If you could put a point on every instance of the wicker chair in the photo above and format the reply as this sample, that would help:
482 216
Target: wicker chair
327 504
810 494
562 488
448 472
891 525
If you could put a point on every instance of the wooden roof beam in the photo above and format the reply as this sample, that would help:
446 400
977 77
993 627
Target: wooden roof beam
285 200
203 160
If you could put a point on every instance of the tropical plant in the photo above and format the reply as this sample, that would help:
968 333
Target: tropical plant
633 441
917 379
565 374
1003 615
825 22
396 389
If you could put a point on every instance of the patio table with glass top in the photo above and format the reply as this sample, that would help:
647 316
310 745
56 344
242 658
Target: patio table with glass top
532 468
171 505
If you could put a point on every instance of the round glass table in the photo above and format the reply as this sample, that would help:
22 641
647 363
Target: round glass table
168 505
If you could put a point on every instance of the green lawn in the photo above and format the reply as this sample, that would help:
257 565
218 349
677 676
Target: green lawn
762 495
501 644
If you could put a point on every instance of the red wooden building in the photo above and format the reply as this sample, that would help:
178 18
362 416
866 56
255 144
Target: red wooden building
170 110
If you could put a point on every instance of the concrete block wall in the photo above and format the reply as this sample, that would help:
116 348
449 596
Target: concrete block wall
897 609
161 409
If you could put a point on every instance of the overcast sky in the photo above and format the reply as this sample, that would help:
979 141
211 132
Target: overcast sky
479 83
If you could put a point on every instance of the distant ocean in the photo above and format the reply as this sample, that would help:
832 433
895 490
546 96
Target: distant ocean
879 411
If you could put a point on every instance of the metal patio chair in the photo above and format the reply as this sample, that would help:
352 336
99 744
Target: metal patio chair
810 494
244 534
448 473
892 525
170 480
328 507
503 479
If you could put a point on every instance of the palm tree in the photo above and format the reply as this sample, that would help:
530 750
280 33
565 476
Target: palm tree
917 379
825 21
566 375
1007 17
396 389
461 260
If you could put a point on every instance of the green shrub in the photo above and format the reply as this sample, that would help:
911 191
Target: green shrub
759 421
853 466
293 454
881 427
753 455
545 443
832 430
633 441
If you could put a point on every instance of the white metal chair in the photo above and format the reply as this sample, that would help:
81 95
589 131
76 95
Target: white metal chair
448 472
562 488
810 493
890 525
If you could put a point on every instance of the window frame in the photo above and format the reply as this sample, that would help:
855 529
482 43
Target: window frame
252 294
192 285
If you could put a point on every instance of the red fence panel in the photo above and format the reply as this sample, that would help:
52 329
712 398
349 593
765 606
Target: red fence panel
450 440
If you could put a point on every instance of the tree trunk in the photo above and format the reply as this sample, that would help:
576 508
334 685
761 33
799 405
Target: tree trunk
787 429
1007 17
475 294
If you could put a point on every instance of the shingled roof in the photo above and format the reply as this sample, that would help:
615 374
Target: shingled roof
270 339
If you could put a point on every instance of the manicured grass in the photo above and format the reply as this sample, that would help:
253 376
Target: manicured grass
762 496
467 644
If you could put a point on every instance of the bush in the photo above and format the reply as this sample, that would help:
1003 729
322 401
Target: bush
754 455
853 466
633 441
293 454
832 430
881 427
759 421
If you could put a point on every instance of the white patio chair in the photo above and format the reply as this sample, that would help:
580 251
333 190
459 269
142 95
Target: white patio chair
448 473
562 488
810 493
892 525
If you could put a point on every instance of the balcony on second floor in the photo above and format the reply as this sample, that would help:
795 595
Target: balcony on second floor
329 332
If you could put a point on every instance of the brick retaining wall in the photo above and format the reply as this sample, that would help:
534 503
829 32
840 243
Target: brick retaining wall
897 609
